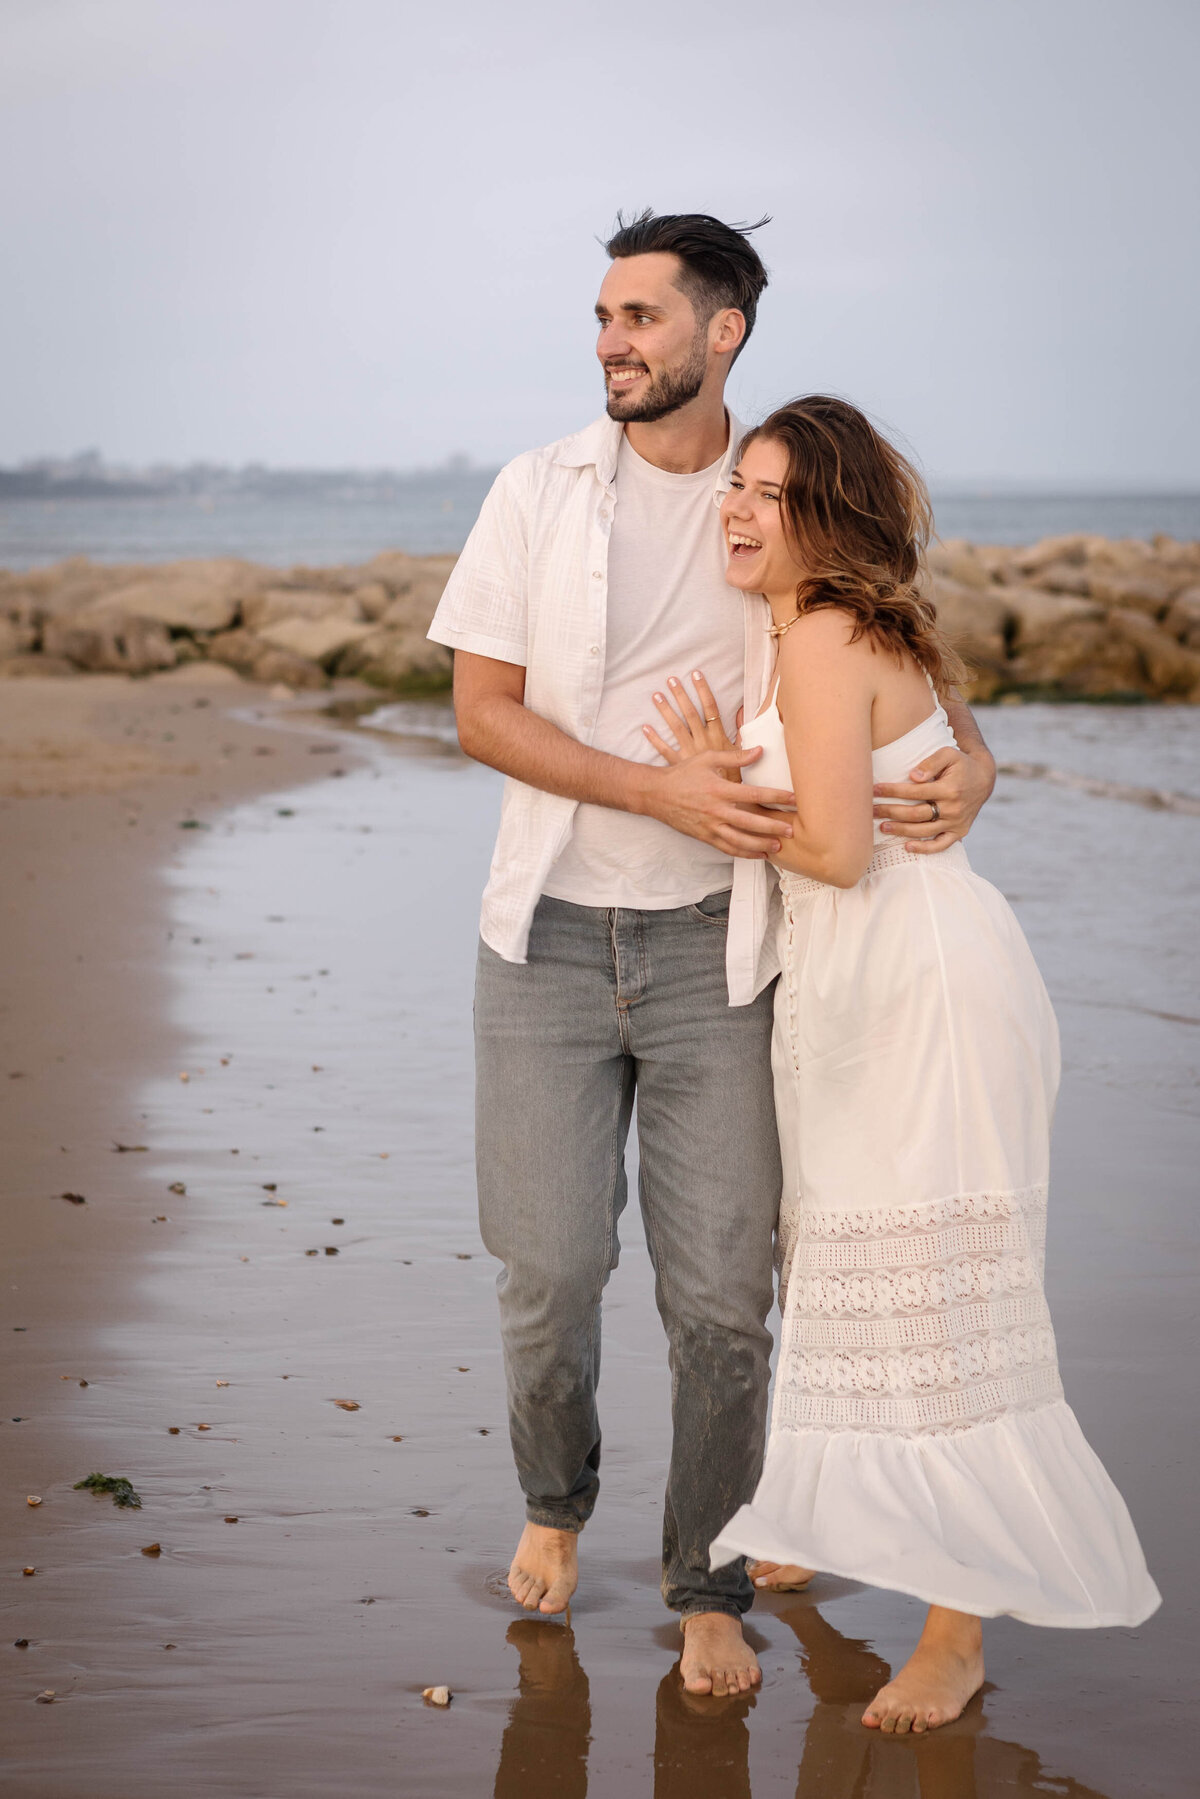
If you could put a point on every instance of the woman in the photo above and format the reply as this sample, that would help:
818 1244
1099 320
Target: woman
919 1438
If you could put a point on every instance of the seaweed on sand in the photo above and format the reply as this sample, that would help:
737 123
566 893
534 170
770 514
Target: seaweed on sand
116 1484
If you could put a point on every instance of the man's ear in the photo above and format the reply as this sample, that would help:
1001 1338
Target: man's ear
727 330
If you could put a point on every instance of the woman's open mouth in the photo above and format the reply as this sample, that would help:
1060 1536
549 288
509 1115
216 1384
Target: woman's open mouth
742 549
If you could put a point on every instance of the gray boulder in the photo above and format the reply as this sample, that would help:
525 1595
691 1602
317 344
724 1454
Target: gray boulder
401 659
107 640
202 595
259 661
316 639
1183 619
274 604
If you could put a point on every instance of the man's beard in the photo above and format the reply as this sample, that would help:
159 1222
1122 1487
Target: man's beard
665 393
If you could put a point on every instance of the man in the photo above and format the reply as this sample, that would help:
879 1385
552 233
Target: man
626 931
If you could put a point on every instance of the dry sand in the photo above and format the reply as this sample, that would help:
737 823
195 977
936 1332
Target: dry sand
319 1566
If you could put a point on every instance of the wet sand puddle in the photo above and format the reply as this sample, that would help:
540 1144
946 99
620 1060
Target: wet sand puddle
307 1389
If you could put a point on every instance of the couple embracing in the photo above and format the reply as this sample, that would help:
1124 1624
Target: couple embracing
842 1052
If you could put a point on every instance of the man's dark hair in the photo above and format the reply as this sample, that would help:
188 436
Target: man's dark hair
720 268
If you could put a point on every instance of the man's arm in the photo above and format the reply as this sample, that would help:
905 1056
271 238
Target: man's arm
496 727
957 785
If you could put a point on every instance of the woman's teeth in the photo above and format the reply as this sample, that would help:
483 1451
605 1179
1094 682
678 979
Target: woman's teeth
738 542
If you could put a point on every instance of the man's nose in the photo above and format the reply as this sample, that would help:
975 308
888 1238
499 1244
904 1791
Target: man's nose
613 340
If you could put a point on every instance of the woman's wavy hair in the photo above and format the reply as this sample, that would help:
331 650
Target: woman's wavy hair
859 518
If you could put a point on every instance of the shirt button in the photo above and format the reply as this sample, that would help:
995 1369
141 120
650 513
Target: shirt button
597 575
593 649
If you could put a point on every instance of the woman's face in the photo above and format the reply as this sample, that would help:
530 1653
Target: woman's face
760 558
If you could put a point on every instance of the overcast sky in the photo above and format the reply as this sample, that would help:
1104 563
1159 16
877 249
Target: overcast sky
364 231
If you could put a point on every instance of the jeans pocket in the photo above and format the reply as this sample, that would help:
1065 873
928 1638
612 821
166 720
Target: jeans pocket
712 909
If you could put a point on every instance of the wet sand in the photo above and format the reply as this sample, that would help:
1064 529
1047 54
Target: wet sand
306 960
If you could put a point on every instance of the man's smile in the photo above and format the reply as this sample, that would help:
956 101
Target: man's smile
625 374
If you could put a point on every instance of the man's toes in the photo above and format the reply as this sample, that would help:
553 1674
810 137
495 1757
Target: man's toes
699 1682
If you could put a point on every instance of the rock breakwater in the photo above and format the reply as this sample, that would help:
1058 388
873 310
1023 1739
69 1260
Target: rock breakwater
1077 617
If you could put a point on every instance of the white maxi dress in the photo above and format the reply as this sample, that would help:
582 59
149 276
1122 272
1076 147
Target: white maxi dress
919 1435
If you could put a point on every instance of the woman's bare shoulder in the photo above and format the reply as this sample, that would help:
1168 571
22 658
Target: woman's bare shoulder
823 636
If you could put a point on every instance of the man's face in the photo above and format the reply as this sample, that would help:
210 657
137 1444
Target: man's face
654 351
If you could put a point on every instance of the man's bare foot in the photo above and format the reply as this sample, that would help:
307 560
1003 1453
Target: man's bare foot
779 1577
717 1659
545 1569
940 1677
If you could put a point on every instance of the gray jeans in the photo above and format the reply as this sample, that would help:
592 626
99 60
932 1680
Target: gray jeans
613 1002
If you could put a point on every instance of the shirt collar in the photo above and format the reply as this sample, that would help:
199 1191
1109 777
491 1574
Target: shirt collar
598 444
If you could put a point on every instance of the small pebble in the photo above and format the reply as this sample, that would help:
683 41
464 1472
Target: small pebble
33 1500
28 1570
437 1695
152 1549
47 1698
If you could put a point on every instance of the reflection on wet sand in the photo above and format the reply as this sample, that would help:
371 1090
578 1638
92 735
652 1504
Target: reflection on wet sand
702 1746
545 1747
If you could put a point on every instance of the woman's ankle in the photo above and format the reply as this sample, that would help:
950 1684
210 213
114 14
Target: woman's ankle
946 1629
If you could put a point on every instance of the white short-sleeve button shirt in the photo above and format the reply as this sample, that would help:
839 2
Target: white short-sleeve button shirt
531 587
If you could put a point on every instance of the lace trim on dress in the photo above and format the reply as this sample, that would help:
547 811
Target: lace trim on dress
924 1215
935 1414
918 1317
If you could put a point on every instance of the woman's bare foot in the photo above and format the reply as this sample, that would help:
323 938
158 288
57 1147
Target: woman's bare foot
545 1569
940 1677
779 1577
717 1659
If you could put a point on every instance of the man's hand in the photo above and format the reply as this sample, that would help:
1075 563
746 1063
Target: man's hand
697 796
951 788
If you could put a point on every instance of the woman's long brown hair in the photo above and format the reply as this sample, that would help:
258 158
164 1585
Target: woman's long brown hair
859 518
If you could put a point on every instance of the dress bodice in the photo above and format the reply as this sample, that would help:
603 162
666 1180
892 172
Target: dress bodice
891 762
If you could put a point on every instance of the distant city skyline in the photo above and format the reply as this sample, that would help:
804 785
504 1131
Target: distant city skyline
309 236
89 470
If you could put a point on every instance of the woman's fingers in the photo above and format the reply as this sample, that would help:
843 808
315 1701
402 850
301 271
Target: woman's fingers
932 846
667 751
692 718
708 706
671 719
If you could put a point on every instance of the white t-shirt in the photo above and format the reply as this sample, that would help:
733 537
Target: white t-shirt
670 610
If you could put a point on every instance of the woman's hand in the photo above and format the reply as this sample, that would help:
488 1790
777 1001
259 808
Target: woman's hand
692 732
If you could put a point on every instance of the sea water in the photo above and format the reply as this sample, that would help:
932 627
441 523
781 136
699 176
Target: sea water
432 513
